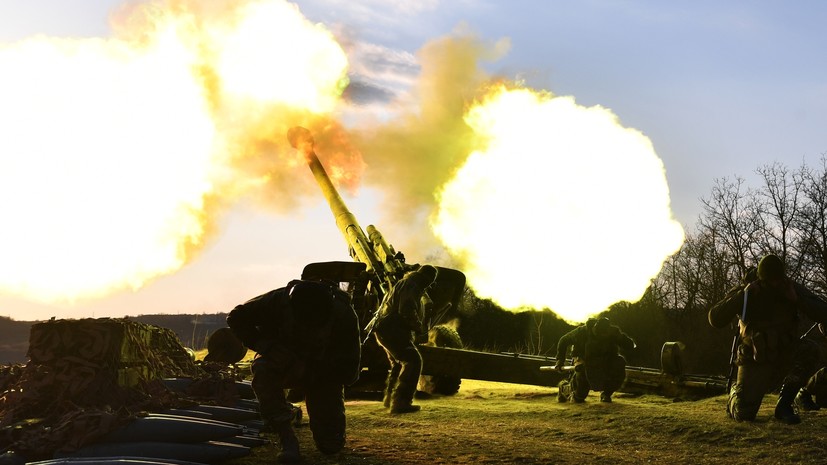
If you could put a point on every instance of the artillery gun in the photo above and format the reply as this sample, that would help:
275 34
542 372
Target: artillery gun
377 266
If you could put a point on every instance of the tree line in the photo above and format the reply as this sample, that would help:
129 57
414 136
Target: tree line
784 214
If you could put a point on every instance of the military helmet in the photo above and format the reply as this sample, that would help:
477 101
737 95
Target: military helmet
425 274
601 326
771 267
223 346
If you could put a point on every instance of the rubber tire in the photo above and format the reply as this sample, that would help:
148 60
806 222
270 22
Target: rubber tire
441 336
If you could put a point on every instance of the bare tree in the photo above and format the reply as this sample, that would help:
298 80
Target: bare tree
779 203
733 222
698 275
812 224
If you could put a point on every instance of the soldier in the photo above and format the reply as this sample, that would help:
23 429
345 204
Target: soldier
400 319
597 364
306 336
769 351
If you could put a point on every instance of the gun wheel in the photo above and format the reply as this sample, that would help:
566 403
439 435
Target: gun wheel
441 336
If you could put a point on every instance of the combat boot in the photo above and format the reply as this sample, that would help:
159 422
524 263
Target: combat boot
402 398
329 443
289 444
784 409
804 401
405 408
606 397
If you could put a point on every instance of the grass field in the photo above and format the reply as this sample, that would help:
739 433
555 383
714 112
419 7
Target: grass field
496 423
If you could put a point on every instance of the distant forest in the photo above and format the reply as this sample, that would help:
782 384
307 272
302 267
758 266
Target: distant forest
482 326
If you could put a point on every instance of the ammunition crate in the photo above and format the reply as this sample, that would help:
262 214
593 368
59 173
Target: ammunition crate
126 351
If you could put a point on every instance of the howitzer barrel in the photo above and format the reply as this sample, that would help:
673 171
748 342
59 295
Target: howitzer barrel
384 250
302 140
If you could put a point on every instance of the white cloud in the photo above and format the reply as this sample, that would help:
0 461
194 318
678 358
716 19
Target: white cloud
396 68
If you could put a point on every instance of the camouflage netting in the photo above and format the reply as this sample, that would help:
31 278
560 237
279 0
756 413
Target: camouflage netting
87 377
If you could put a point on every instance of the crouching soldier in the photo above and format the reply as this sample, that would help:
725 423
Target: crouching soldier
769 350
306 336
598 364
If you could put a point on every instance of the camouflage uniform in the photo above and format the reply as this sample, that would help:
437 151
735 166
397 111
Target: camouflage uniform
306 336
813 396
597 364
770 352
400 319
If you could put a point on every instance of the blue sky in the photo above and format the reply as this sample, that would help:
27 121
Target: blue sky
720 88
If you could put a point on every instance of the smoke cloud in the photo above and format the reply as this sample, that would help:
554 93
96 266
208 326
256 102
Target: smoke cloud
409 157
